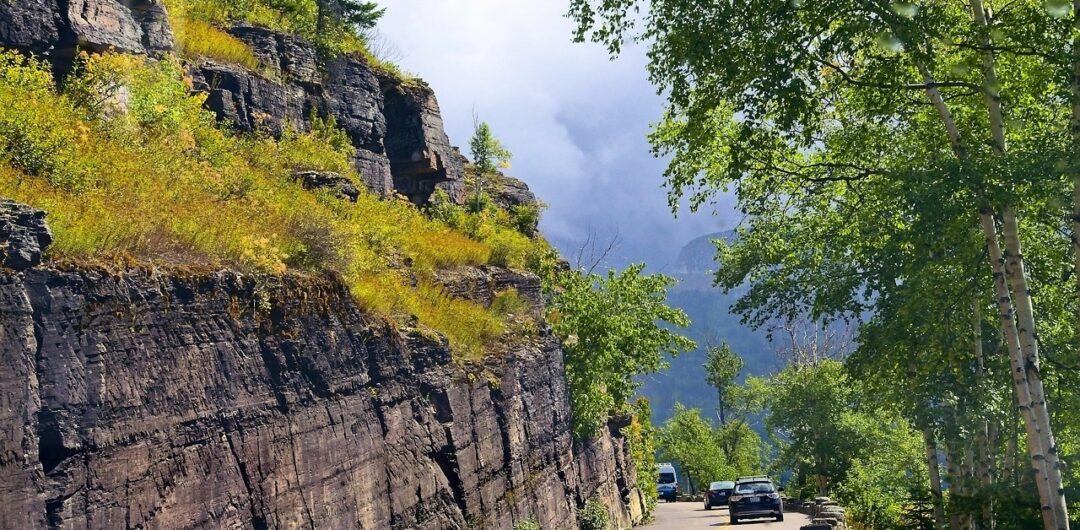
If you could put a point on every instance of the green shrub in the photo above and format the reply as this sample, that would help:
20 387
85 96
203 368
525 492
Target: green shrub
642 436
527 524
525 218
594 516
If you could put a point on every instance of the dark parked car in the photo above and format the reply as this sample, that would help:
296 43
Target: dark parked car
755 497
718 494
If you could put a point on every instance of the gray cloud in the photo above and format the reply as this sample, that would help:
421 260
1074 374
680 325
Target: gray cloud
575 121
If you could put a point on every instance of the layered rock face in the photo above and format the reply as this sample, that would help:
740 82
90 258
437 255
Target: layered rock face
396 127
156 400
149 398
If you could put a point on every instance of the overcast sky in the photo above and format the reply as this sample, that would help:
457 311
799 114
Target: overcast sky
575 121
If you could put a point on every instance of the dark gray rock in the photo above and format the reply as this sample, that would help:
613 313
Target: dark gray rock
30 25
57 29
157 32
483 284
248 101
354 99
151 399
336 183
291 58
421 157
24 236
508 192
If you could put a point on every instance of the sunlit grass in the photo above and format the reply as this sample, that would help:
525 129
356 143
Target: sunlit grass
195 38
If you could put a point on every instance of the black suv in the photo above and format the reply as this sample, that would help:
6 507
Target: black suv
755 497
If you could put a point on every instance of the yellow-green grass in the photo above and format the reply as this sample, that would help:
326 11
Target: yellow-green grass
129 165
196 24
196 38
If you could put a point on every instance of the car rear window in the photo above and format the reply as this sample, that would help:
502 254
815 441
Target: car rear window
751 488
721 485
666 478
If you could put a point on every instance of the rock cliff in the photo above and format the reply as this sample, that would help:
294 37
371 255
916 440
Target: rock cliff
162 399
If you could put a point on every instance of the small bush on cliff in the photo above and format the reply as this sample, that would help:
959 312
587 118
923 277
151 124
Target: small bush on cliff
130 166
527 524
594 516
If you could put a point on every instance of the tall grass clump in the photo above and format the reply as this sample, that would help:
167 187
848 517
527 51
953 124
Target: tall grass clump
129 165
198 38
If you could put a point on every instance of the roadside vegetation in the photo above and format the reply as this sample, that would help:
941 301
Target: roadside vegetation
909 168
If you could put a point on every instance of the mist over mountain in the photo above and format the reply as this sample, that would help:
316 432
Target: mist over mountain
709 309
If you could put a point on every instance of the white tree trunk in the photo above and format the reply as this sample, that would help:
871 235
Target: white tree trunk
991 87
935 479
1016 359
1029 344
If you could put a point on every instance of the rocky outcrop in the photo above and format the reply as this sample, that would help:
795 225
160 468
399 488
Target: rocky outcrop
24 236
396 127
483 284
246 101
30 25
57 28
420 153
335 183
133 26
508 192
159 399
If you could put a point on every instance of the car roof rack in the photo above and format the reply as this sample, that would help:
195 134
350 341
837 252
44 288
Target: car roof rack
754 478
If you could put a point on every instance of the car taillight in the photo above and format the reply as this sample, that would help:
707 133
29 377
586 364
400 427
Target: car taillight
735 498
774 495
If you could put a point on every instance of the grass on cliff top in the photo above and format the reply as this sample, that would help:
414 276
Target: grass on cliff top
129 165
196 25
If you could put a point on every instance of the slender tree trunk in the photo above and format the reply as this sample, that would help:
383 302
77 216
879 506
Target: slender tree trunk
1020 383
952 469
935 479
968 487
1029 343
1012 450
982 461
991 86
1075 127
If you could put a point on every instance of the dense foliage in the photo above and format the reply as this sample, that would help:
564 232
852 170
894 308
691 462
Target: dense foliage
952 248
702 449
614 328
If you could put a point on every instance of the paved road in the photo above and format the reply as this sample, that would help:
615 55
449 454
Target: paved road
691 516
